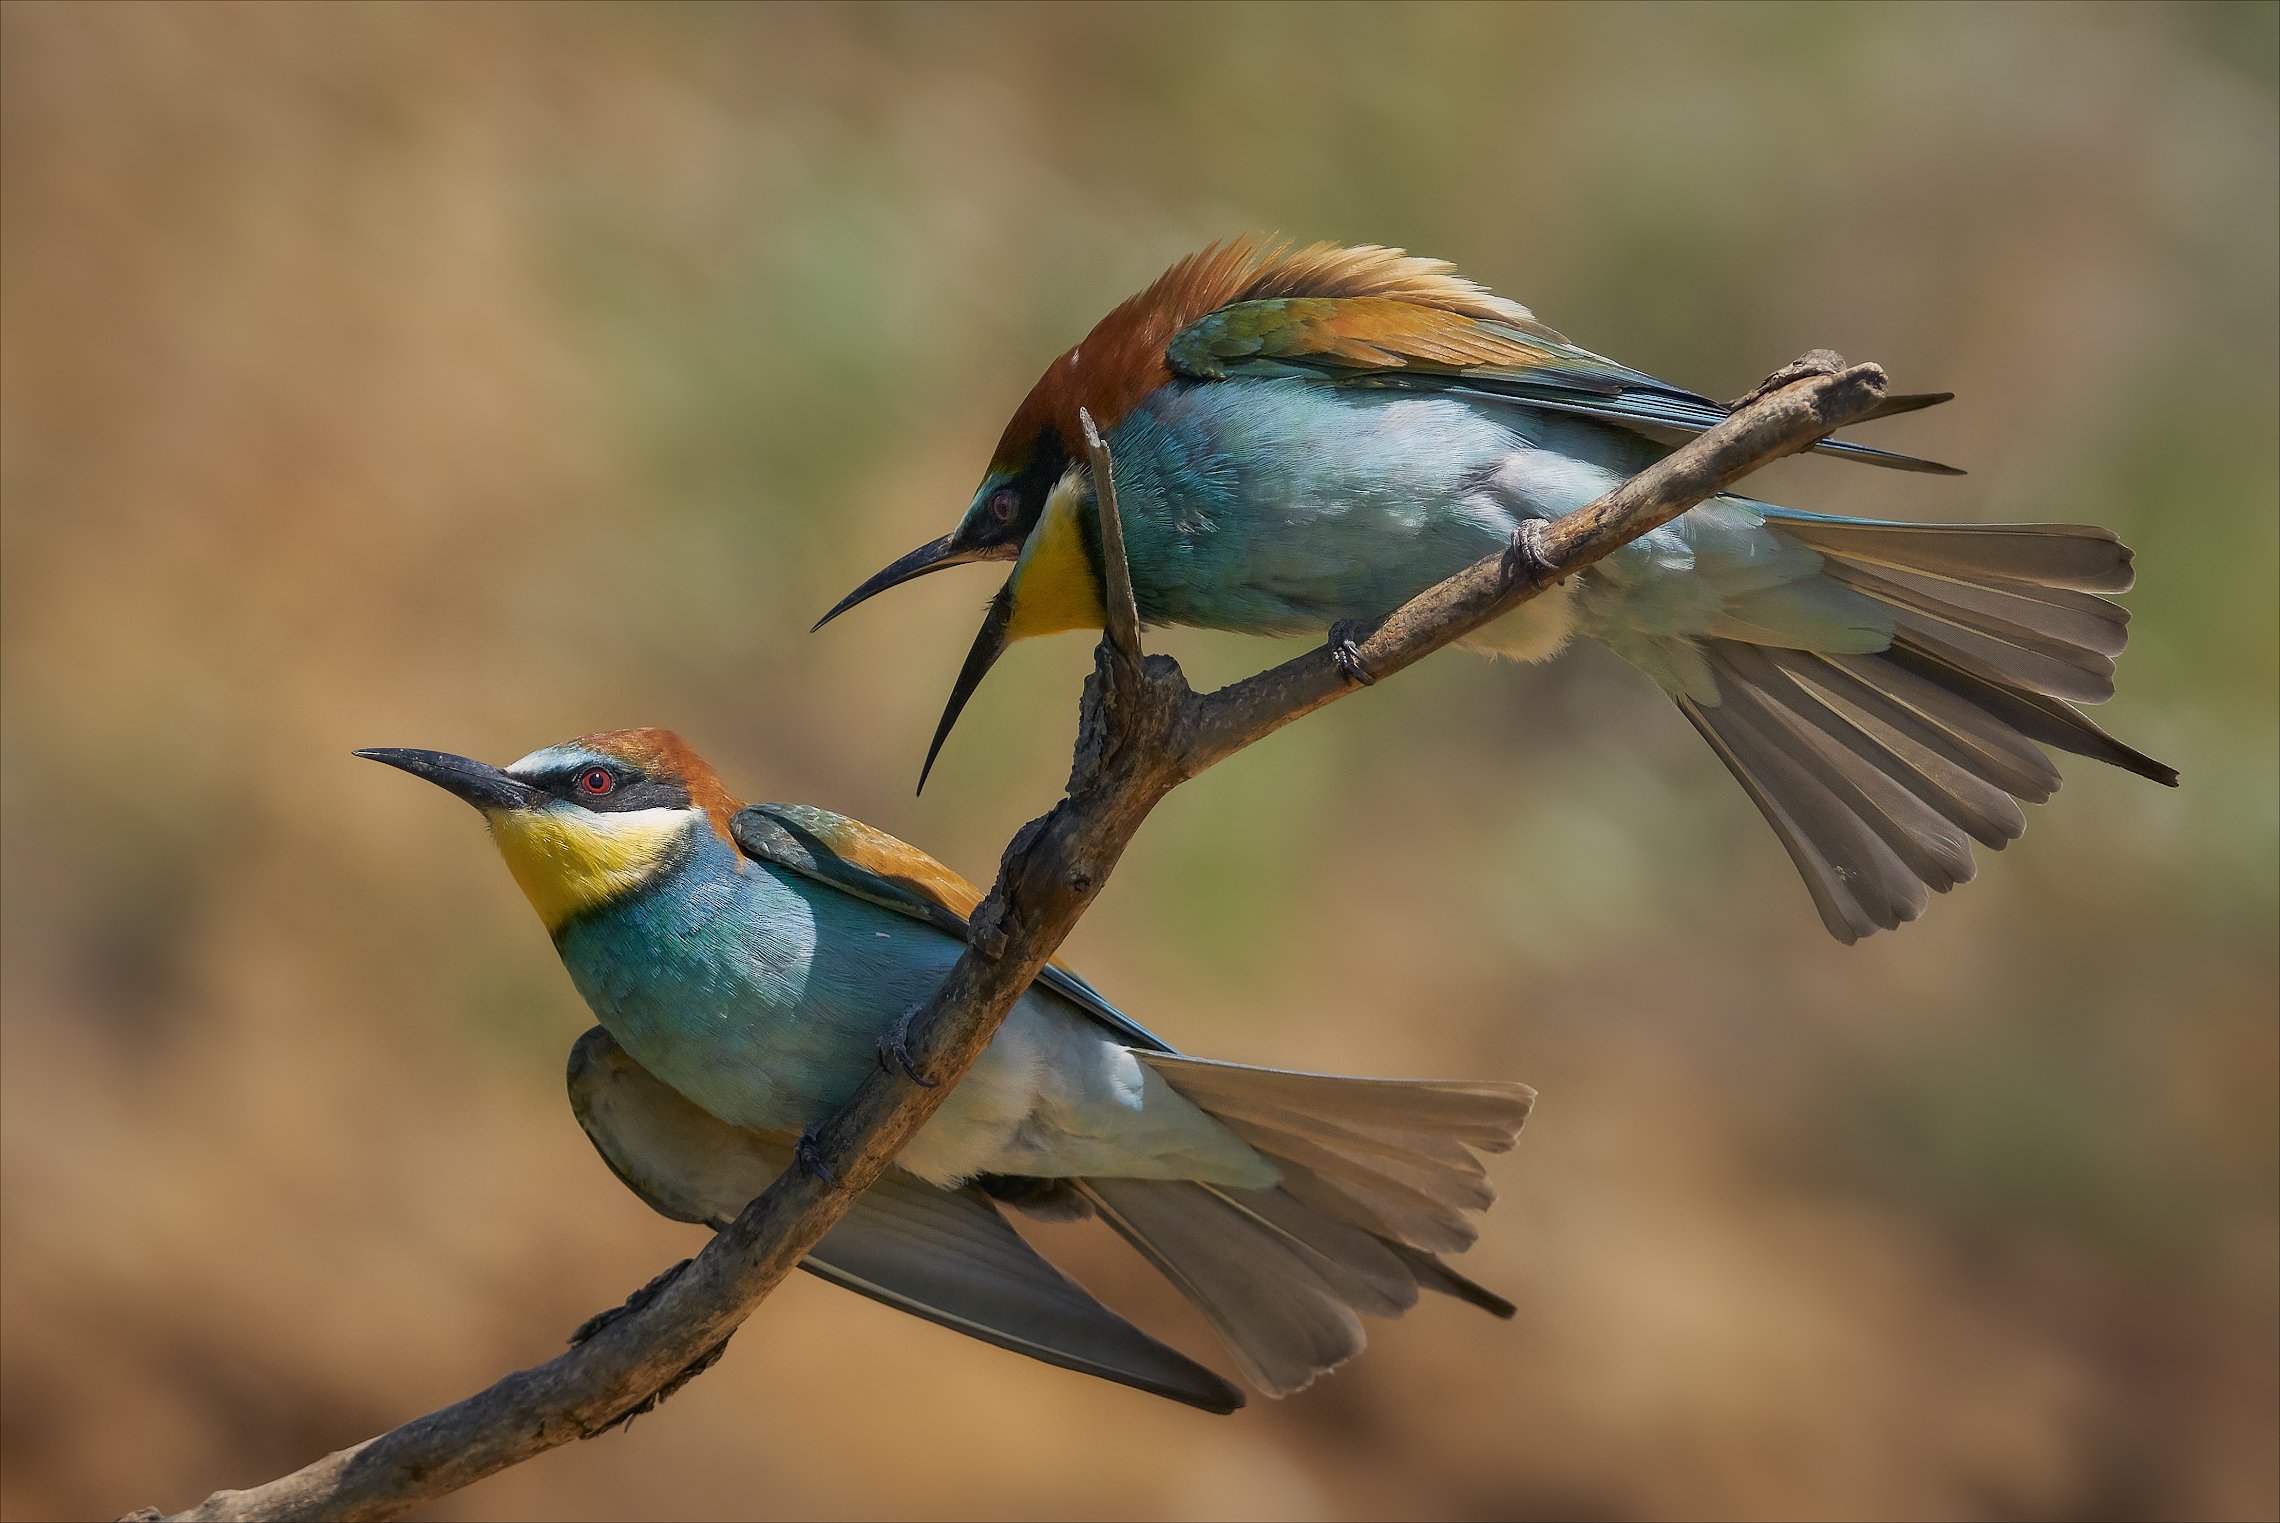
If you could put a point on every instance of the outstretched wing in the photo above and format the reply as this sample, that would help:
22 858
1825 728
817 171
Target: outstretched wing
870 864
1390 342
944 1255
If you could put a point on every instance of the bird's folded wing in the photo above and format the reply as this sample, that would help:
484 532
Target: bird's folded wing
855 859
870 864
943 1255
1386 342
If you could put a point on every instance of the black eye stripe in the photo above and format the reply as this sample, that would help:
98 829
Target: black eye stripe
1035 483
631 793
632 790
1030 488
569 781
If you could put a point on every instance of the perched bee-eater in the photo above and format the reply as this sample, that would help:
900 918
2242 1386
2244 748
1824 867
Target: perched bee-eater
1304 438
749 965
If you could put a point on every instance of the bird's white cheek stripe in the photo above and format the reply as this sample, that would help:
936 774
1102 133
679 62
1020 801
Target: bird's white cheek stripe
570 860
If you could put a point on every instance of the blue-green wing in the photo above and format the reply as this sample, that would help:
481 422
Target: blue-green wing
1388 343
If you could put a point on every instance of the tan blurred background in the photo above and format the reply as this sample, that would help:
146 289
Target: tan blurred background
473 377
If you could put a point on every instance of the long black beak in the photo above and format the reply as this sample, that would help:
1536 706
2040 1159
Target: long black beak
989 644
928 557
479 783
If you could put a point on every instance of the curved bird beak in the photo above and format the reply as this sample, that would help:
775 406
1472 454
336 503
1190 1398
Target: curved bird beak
932 556
479 783
989 644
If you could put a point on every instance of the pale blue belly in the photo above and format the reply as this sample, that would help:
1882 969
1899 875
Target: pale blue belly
1281 506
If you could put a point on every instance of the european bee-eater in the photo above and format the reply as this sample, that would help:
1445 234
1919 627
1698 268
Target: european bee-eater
747 964
1308 437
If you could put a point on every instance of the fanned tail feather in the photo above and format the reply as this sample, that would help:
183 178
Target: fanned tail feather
1877 771
1433 1274
1379 1178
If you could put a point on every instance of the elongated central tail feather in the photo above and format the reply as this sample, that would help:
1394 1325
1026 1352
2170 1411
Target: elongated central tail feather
1379 1178
1878 770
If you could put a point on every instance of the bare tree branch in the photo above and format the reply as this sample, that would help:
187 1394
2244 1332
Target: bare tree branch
1120 617
1141 733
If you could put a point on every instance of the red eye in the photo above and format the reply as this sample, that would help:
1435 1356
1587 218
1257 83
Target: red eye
1002 503
596 781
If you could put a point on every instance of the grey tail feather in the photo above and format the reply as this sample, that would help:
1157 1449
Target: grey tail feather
1433 1274
1878 771
1379 1177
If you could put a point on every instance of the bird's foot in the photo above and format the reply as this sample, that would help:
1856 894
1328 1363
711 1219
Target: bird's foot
1524 558
1346 651
808 1154
633 1303
656 1398
894 1051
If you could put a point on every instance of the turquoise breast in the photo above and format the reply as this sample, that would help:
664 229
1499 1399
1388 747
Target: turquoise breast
757 994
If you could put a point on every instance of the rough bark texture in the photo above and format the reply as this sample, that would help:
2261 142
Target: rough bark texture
1141 733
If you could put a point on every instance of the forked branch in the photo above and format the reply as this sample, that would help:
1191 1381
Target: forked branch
1141 734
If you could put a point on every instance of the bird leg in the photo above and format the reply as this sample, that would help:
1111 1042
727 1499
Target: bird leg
633 1303
1346 651
894 1051
808 1154
1524 558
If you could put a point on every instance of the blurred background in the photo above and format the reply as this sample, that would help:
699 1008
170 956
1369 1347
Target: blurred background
472 377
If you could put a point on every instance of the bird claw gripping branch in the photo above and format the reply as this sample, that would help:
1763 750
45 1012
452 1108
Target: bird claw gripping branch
1524 558
633 1303
1346 650
808 1154
894 1051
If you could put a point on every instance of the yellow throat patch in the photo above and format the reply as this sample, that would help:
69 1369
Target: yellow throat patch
571 860
1054 587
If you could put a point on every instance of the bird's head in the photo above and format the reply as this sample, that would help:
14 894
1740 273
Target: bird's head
1030 458
589 822
1027 511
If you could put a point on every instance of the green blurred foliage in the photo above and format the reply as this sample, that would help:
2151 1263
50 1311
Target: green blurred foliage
478 376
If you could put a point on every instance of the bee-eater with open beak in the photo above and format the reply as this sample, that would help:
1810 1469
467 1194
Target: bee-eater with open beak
750 965
1304 438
